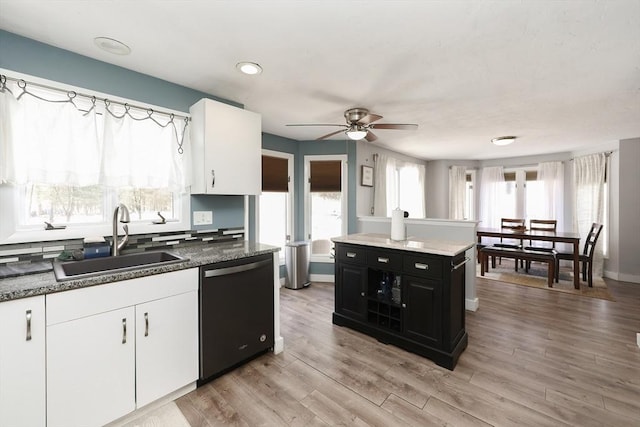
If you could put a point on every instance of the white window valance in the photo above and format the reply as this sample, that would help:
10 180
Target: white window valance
58 137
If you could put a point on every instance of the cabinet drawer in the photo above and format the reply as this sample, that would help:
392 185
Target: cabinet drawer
351 254
384 260
422 266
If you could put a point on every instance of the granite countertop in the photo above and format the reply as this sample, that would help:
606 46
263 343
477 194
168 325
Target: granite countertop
197 255
412 244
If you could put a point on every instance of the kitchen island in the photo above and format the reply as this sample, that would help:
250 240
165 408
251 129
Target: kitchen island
407 293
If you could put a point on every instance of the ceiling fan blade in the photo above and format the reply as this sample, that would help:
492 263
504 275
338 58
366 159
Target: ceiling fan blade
403 126
369 118
318 124
329 134
370 136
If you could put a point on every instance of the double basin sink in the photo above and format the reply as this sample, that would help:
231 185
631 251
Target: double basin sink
73 270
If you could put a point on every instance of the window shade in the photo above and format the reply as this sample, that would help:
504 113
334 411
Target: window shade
326 175
275 174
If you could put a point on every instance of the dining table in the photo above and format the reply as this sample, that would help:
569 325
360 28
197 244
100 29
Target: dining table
546 236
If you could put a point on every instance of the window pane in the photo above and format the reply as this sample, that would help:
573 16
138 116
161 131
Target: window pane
61 204
273 219
507 208
326 220
535 200
144 203
410 191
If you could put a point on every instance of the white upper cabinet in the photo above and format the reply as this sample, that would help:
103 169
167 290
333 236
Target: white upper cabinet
226 149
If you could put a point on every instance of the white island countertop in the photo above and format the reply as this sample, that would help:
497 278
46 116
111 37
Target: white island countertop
412 244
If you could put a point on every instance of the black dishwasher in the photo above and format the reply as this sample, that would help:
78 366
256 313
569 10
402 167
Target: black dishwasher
236 313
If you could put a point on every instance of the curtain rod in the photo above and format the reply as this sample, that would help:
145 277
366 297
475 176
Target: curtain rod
606 154
22 84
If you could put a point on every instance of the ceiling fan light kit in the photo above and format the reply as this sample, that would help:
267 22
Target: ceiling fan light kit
359 125
503 140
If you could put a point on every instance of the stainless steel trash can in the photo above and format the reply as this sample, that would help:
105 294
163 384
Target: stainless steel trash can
296 259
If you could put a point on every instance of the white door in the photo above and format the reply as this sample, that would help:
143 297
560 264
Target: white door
166 346
91 369
22 362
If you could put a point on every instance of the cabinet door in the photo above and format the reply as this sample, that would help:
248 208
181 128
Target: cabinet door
166 346
351 291
422 308
227 145
91 369
22 362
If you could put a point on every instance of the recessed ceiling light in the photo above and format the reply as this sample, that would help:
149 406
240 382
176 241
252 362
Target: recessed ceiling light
250 68
112 46
503 140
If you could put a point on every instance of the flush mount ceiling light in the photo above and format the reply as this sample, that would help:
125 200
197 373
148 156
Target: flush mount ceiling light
356 132
112 46
250 68
503 140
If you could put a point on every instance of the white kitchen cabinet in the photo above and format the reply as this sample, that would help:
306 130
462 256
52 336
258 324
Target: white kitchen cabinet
22 362
166 346
100 364
226 146
91 369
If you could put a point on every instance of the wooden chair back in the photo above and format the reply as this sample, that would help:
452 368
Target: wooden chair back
511 224
548 225
592 239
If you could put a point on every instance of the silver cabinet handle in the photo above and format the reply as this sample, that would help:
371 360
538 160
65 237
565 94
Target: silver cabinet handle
361 294
351 254
124 331
213 178
28 325
421 266
404 305
146 324
383 260
460 264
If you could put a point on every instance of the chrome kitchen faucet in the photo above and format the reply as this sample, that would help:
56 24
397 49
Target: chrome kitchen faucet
124 218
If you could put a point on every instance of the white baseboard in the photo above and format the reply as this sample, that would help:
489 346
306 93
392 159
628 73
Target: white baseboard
278 345
322 278
622 277
471 304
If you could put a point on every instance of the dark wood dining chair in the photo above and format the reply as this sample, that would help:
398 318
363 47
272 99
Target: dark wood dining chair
543 225
586 257
510 224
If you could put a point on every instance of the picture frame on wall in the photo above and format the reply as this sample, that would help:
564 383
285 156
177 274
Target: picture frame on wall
367 176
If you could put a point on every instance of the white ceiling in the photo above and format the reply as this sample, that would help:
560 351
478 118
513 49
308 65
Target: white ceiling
560 75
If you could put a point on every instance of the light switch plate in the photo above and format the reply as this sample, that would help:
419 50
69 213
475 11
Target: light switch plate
638 339
202 217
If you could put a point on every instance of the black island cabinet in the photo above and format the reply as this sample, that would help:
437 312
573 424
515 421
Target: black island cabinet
413 300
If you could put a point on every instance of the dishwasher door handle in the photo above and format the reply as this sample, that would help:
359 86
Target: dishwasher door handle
215 272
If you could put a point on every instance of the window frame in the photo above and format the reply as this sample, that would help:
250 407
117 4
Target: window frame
325 258
290 200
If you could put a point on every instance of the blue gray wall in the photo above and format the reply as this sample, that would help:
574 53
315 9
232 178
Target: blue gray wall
41 60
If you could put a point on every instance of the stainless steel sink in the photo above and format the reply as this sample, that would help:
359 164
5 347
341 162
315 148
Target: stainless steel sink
96 266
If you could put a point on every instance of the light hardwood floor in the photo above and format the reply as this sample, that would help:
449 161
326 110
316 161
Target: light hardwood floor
534 358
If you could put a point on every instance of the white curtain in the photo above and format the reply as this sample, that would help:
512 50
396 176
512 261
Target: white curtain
47 139
588 180
142 154
490 196
457 192
47 142
380 186
551 174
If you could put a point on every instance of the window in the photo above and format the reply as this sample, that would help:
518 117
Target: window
403 187
275 204
326 203
71 163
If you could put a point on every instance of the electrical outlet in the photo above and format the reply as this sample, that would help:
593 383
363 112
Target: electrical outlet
202 217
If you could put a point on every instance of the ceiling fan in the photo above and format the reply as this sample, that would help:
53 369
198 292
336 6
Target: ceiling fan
359 125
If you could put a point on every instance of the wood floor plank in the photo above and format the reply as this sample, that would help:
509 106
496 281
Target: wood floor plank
534 357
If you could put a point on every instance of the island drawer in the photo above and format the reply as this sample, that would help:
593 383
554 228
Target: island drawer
351 254
384 260
422 266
